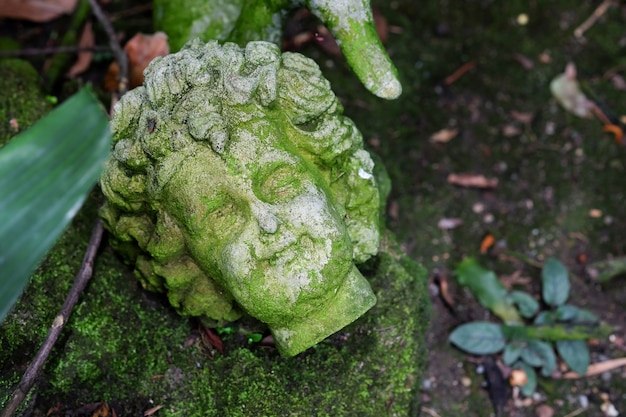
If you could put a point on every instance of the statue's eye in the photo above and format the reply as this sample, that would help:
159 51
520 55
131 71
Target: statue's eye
220 215
278 182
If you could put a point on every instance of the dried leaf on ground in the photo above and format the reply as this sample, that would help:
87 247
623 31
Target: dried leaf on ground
444 290
544 410
449 223
444 135
566 90
141 50
211 339
522 117
36 10
151 411
524 61
487 242
472 180
618 82
87 40
511 130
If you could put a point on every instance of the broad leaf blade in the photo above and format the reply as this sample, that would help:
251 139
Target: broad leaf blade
479 338
575 314
575 353
512 352
546 352
525 303
555 282
45 175
485 286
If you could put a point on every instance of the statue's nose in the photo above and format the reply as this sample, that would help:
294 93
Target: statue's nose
267 221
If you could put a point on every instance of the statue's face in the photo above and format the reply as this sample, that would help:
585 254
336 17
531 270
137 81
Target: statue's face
258 221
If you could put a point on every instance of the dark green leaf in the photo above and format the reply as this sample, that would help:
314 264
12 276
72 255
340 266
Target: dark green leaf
45 175
555 282
574 314
525 303
485 286
478 338
531 357
566 312
531 385
512 352
545 353
575 353
545 317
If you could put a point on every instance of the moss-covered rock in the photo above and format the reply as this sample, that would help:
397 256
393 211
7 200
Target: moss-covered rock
128 347
236 184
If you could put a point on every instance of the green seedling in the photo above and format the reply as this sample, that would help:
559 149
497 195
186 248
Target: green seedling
528 337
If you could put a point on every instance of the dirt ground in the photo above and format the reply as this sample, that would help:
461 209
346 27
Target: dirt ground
476 100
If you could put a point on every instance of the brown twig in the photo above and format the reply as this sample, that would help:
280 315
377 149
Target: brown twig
591 20
83 276
118 52
54 50
459 72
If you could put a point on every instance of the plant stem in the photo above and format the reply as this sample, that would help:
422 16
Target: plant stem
557 332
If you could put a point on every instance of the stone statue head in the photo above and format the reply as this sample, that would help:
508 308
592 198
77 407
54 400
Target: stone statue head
235 184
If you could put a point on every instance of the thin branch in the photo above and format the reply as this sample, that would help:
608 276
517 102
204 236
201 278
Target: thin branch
591 20
54 50
81 280
120 54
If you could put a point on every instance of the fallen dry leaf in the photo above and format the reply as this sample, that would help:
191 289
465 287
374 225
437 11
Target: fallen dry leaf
618 82
87 40
544 410
444 290
36 10
598 368
510 130
566 90
487 242
522 117
448 224
472 180
141 50
545 58
152 410
524 61
516 278
444 135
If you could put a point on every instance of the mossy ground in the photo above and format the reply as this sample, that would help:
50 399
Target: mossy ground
553 168
127 347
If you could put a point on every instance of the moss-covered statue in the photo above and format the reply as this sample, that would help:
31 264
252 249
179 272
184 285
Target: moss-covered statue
242 21
236 185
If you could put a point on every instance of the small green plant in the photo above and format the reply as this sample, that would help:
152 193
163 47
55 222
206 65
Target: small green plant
528 337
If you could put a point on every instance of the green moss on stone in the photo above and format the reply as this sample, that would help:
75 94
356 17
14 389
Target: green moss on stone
128 347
